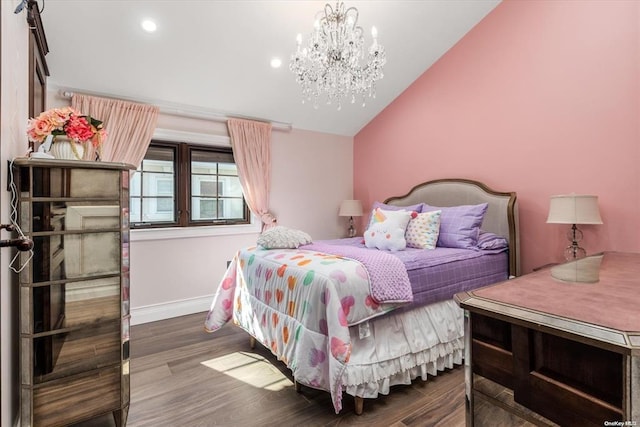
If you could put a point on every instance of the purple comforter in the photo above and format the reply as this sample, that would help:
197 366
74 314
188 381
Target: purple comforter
436 275
388 279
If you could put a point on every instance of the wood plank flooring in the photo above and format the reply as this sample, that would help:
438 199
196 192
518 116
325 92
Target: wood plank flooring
183 376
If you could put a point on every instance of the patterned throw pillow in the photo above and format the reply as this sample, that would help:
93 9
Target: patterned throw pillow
423 230
387 229
280 237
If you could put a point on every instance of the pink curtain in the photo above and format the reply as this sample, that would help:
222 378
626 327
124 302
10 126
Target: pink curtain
251 143
129 126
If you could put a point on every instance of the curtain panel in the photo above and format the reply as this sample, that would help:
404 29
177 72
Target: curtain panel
251 144
129 126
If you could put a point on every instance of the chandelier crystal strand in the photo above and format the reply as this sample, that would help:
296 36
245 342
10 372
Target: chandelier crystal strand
333 61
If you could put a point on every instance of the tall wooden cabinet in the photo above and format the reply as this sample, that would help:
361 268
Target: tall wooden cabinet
74 291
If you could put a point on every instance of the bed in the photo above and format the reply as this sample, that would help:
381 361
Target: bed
339 313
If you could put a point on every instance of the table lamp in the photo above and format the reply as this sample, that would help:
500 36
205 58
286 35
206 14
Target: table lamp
350 208
574 209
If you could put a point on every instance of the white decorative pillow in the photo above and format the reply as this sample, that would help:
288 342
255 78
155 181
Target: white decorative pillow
387 229
423 230
280 237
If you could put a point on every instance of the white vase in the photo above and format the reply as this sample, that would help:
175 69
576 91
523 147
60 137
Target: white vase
64 149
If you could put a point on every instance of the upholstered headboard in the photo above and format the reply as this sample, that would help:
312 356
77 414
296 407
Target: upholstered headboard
502 213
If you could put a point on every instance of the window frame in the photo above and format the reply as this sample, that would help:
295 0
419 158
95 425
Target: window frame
183 194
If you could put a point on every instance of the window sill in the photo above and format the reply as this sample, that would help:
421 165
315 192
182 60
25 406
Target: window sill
139 235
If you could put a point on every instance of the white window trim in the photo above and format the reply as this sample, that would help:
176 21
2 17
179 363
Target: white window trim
194 232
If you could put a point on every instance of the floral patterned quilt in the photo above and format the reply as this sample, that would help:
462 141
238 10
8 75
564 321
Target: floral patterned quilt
300 304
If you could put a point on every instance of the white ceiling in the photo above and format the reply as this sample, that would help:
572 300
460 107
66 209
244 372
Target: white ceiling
214 55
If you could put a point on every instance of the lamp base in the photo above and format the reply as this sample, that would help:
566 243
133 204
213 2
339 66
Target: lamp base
573 251
351 232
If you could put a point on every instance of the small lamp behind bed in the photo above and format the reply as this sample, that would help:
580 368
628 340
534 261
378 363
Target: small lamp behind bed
574 209
351 208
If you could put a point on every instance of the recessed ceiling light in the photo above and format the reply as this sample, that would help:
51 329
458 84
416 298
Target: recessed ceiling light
149 26
276 62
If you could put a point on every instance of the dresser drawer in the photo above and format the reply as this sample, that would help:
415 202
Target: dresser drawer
69 353
567 381
60 403
491 349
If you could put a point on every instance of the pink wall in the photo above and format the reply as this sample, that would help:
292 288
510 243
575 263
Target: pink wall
541 98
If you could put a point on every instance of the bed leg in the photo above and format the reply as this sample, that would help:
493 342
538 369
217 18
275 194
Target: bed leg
297 387
252 342
359 405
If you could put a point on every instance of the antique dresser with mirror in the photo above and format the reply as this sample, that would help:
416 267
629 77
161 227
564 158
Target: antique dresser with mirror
559 346
74 291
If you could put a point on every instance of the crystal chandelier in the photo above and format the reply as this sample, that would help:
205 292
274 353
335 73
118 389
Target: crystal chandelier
330 63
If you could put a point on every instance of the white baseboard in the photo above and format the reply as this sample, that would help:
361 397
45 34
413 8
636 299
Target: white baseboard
155 312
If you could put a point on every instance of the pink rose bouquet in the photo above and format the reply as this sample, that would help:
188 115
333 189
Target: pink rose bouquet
68 122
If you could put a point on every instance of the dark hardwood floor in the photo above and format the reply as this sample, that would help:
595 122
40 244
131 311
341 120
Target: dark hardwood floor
183 376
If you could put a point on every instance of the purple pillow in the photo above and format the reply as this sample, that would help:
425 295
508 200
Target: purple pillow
459 225
488 241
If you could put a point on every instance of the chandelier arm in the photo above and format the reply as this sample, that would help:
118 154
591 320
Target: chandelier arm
355 12
328 10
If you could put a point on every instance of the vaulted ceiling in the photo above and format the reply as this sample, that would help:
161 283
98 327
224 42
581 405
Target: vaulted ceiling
214 56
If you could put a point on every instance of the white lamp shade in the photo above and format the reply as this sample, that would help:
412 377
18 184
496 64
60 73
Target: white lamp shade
350 208
574 209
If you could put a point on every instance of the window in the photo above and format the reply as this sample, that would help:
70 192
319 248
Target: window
186 185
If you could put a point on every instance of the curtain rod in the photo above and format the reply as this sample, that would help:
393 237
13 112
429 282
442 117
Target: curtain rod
179 110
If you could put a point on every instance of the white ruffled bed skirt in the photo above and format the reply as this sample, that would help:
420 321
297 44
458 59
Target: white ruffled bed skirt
398 348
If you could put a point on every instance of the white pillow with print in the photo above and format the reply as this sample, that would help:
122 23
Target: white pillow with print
387 229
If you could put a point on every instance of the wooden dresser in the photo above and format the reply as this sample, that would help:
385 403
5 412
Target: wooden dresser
560 346
74 292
